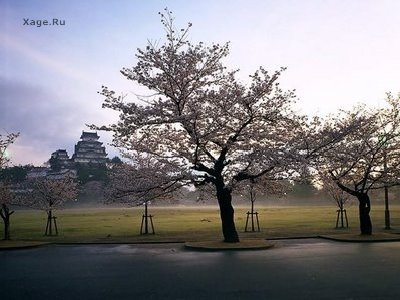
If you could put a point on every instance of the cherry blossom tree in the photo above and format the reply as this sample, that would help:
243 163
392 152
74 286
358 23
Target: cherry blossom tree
141 180
7 197
261 187
203 120
50 194
339 197
368 158
5 142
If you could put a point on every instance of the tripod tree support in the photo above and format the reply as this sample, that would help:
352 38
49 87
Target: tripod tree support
51 220
144 227
252 215
342 215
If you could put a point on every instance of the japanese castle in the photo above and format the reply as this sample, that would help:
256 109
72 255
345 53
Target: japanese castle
88 150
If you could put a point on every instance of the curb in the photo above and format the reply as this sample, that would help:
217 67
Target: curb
293 238
193 246
27 246
353 240
244 245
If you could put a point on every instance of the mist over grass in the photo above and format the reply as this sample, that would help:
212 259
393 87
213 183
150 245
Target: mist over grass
92 196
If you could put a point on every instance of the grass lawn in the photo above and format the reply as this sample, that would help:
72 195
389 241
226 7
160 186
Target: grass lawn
187 224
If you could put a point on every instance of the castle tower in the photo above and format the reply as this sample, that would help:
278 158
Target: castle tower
59 159
61 155
89 149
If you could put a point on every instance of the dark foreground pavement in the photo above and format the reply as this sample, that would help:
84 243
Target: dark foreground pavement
293 269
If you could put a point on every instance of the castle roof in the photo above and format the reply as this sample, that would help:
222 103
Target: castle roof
60 154
91 135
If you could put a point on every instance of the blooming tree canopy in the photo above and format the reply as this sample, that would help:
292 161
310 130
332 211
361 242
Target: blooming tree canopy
200 118
339 196
368 158
5 142
144 179
49 194
7 197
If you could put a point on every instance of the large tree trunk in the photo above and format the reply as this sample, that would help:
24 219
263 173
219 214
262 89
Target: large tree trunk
227 215
5 215
364 209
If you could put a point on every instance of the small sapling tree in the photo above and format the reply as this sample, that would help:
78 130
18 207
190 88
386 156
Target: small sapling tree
339 197
49 194
260 187
141 180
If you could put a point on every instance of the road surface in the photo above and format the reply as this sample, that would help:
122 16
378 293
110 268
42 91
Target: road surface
293 269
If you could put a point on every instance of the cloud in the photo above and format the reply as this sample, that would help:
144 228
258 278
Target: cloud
33 110
44 121
60 66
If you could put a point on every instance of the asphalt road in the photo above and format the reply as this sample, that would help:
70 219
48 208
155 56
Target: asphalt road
293 269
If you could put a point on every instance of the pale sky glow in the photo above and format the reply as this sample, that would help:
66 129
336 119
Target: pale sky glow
338 53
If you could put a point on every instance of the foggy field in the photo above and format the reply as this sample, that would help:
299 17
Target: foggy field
187 223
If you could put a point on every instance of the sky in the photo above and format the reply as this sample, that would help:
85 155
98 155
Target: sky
337 54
